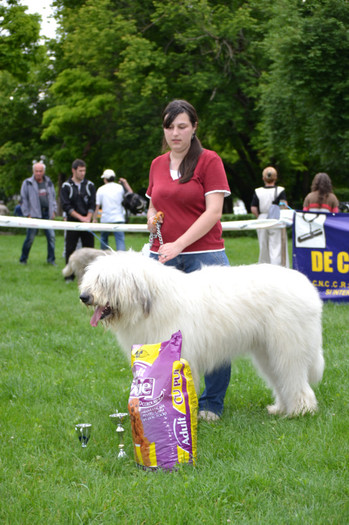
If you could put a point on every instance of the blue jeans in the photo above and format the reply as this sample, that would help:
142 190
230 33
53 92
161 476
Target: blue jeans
28 241
216 383
119 240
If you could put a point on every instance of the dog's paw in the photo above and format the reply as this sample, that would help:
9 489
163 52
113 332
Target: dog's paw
302 408
275 410
207 415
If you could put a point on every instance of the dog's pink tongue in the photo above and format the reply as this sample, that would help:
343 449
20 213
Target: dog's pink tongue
96 316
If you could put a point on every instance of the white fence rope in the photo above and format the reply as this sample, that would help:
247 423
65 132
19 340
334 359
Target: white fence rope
7 221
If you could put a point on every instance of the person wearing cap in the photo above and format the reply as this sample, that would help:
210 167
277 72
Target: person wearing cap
78 199
270 240
109 198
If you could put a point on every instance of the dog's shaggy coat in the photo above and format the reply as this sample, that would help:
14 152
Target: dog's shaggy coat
79 260
268 312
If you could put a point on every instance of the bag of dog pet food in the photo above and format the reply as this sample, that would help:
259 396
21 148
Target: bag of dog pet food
162 405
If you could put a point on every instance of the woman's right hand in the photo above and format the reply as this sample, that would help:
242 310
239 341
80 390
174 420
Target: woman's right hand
150 224
153 220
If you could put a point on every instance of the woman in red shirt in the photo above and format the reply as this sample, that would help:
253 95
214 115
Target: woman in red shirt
188 184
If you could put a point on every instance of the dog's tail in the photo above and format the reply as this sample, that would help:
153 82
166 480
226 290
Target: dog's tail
316 368
67 271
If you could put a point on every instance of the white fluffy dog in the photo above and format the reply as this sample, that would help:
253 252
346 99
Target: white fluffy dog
268 312
79 260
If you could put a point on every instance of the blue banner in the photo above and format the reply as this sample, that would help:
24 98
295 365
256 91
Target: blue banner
321 252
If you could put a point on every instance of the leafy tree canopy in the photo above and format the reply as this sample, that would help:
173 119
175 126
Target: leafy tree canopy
268 78
23 80
304 93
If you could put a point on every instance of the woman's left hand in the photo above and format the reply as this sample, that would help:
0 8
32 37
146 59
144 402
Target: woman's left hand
168 251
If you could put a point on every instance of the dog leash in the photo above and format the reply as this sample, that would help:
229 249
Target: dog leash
99 239
152 236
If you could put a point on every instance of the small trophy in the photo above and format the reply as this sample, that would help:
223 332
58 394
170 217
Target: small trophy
118 419
83 431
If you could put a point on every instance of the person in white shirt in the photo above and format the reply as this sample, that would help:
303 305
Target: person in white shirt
109 198
270 240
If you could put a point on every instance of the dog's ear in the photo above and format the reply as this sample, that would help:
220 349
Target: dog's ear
147 306
130 295
117 309
143 298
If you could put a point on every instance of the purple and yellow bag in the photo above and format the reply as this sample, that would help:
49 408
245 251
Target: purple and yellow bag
162 405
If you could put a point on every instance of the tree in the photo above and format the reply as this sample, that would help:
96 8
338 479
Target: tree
22 60
213 58
268 87
304 93
19 36
197 50
83 118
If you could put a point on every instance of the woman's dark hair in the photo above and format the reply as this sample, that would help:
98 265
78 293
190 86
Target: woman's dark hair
188 164
323 185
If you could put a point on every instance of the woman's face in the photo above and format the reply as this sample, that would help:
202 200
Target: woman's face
178 136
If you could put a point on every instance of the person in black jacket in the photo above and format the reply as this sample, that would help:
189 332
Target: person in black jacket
78 200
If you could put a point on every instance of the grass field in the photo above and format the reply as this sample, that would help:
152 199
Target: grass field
57 371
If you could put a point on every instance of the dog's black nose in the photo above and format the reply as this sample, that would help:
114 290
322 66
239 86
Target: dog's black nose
86 298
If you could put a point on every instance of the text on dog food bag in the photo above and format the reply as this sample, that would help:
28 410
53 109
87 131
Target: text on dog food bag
162 405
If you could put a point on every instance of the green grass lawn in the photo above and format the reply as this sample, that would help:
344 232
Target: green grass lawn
56 371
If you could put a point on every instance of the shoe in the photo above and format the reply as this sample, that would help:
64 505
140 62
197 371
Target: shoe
52 263
22 262
207 415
